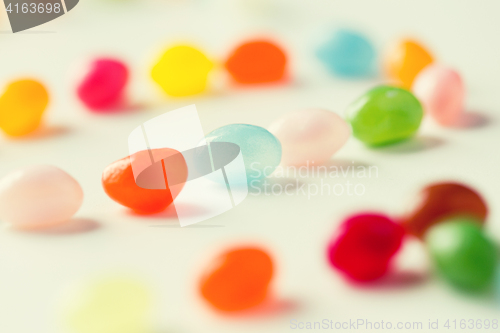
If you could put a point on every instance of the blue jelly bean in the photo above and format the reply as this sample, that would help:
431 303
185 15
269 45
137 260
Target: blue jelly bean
260 149
348 54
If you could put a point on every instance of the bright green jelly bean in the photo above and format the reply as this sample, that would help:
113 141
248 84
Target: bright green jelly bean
385 115
462 253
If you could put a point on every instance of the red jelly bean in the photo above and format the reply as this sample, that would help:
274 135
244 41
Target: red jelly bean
443 200
257 62
103 84
365 246
238 279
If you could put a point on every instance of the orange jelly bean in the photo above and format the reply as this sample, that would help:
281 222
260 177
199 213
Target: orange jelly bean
120 185
21 107
405 60
257 62
238 279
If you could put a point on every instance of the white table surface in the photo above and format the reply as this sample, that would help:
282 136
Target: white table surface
104 238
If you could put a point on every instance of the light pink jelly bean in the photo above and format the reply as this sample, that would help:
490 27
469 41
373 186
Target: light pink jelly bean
102 86
39 196
441 92
310 135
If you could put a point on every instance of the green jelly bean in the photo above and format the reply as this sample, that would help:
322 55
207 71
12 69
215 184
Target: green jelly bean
385 115
462 253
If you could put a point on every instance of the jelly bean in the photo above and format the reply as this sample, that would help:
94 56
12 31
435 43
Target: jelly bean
311 135
39 196
405 60
21 107
497 284
348 53
182 71
120 185
462 253
238 279
260 149
385 115
257 61
442 93
103 84
365 246
441 200
108 305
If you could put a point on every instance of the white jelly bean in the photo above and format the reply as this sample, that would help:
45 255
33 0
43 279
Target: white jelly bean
39 196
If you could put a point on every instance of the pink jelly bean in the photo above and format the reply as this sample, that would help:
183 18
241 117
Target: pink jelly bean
103 84
442 92
310 136
38 196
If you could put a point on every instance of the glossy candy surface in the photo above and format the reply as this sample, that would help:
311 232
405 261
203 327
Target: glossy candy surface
442 200
257 61
348 53
238 279
22 105
385 115
260 149
120 185
108 305
182 71
405 59
310 135
442 93
365 246
39 196
462 253
103 83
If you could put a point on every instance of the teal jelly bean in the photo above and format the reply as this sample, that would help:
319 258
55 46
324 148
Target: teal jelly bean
385 115
462 253
260 149
348 53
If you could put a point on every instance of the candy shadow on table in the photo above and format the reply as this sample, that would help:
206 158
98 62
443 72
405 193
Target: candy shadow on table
270 308
169 216
396 280
344 164
121 108
266 184
413 145
46 132
486 297
473 119
72 227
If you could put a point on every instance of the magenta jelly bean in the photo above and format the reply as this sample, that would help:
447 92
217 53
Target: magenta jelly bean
363 249
103 84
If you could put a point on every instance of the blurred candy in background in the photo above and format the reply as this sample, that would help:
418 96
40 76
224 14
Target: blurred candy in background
182 71
348 54
394 228
102 86
110 304
257 61
22 105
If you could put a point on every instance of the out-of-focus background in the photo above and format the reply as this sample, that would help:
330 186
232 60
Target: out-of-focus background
36 267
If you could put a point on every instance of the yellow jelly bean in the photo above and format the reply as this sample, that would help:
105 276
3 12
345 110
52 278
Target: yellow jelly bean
182 71
21 107
109 305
